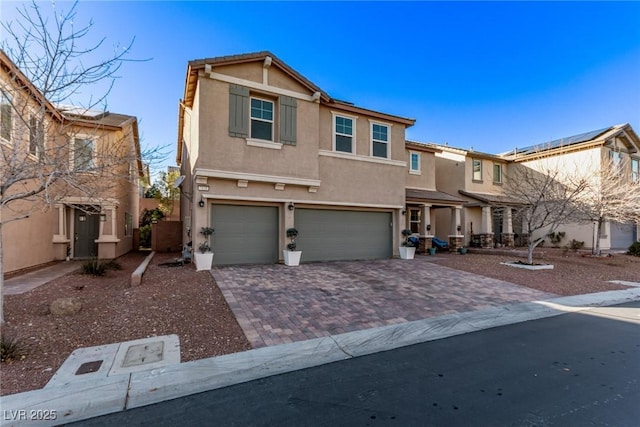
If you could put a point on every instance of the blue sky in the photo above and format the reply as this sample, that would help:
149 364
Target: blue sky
492 76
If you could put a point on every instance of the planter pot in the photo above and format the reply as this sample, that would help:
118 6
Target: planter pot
291 258
203 260
462 251
432 251
407 252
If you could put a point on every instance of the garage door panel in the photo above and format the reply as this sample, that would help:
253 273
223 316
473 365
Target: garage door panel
329 235
622 235
244 234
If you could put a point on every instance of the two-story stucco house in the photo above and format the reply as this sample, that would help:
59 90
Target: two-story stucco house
87 210
264 149
585 155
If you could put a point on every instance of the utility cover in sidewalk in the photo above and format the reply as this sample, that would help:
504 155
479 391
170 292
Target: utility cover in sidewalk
89 367
142 354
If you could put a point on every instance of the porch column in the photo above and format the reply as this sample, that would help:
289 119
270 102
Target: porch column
508 237
426 236
486 228
455 237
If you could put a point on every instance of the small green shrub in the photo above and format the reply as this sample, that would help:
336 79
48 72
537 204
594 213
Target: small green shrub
10 348
575 245
634 249
556 238
94 267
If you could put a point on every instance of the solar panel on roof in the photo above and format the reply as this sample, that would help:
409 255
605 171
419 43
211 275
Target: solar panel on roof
575 139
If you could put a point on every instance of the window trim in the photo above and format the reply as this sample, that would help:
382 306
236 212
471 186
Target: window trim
334 133
498 181
372 140
6 99
72 159
272 121
635 175
412 170
39 148
473 169
418 221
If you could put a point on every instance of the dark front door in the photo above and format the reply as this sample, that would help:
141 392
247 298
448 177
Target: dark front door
86 233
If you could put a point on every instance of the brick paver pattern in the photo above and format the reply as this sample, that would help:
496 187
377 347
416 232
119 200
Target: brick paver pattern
276 304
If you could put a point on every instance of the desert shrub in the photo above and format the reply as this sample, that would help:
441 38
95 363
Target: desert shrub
94 267
10 348
556 238
575 245
634 249
113 265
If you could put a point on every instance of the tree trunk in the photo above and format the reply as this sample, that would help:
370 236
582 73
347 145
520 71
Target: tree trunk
596 247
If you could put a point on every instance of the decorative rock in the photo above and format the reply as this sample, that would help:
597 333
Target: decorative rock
65 307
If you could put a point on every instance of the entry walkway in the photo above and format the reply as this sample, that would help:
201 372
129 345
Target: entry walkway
28 281
276 304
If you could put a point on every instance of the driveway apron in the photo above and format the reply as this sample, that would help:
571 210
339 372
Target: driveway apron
276 304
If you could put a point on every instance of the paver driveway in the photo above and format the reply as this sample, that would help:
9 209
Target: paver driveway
276 304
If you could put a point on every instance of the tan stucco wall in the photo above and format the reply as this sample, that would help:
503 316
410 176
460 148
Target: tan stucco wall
426 179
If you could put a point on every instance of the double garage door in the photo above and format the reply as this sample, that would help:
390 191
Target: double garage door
249 234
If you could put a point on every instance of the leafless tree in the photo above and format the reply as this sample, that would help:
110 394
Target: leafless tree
611 194
44 70
547 198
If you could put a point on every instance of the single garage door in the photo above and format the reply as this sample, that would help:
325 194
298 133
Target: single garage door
622 235
329 235
244 234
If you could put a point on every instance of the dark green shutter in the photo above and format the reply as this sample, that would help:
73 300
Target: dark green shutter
238 111
288 117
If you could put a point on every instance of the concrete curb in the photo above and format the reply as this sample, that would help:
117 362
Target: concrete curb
136 276
74 402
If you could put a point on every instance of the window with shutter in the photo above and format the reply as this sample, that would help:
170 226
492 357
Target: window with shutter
238 111
288 120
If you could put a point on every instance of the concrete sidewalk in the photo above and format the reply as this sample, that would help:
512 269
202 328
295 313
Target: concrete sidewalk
83 397
28 281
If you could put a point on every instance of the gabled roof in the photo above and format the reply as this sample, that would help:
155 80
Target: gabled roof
579 141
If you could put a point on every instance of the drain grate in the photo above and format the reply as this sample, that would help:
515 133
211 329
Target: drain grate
142 354
87 368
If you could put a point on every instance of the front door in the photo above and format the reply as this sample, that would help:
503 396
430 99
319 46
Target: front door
86 226
498 217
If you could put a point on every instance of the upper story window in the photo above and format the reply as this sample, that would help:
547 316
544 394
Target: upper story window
261 119
635 170
6 119
414 162
36 136
83 154
255 119
380 140
343 133
497 173
477 170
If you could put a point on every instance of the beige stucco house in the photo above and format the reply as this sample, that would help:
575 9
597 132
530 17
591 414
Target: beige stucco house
585 155
92 206
264 149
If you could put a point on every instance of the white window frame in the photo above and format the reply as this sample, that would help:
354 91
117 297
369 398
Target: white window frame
334 132
388 142
93 152
499 180
418 170
473 169
416 222
6 99
272 121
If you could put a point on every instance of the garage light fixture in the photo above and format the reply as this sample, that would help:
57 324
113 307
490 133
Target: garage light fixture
201 202
291 206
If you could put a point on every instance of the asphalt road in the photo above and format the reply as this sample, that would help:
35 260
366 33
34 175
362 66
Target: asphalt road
569 370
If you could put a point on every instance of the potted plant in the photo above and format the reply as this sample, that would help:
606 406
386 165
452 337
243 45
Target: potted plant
408 249
291 255
432 250
462 250
204 258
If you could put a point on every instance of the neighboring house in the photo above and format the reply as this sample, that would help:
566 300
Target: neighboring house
585 155
264 149
479 179
424 201
98 221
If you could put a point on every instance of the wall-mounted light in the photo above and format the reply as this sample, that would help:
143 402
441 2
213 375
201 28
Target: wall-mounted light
201 202
428 227
404 211
459 228
291 206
